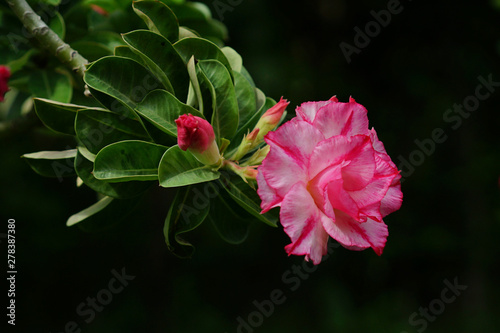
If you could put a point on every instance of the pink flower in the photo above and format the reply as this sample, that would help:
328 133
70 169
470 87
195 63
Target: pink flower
196 135
4 79
331 176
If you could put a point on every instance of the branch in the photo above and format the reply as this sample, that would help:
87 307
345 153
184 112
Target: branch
47 37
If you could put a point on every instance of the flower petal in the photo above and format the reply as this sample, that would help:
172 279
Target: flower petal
297 138
392 200
301 220
307 111
355 235
336 149
342 119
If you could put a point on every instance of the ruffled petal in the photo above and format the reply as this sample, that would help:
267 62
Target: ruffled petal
336 149
342 119
301 220
277 174
355 235
392 200
297 139
307 111
269 197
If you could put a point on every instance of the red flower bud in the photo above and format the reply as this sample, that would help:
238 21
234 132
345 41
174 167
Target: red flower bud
197 135
4 79
194 132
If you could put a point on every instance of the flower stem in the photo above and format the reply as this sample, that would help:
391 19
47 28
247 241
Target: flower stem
45 36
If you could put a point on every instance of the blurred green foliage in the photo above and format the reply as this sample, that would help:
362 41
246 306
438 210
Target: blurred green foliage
427 59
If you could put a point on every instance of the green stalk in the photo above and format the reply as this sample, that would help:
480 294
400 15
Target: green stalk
46 37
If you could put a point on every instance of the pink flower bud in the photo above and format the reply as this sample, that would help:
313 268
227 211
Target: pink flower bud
270 120
197 135
194 132
274 114
4 79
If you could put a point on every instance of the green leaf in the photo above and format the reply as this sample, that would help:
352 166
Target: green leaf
159 18
161 108
57 116
122 79
194 88
51 85
245 94
201 49
84 168
231 223
55 164
125 51
57 25
19 63
183 216
128 160
180 168
102 215
234 58
216 78
247 198
98 128
162 59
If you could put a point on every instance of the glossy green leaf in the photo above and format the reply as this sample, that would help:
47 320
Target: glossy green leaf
51 85
97 129
225 118
180 168
159 18
84 168
122 79
183 216
128 160
195 97
55 164
245 95
161 108
125 51
201 49
234 58
103 215
231 223
247 198
162 59
57 116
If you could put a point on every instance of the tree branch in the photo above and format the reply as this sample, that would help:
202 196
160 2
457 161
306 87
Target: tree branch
47 37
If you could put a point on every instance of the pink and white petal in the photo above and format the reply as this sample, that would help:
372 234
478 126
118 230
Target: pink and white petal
342 119
350 233
268 195
374 192
335 150
280 172
341 200
297 138
392 200
307 111
360 170
301 219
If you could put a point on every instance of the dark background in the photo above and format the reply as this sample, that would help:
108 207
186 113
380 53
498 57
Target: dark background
427 59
